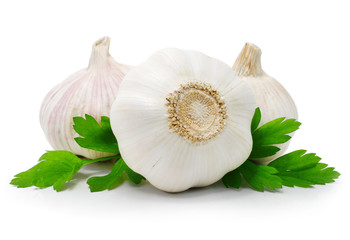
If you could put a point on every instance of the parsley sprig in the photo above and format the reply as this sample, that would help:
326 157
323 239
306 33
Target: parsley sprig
95 136
297 168
55 168
258 177
303 169
274 132
114 178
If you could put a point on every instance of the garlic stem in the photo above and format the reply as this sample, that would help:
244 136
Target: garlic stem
100 53
248 62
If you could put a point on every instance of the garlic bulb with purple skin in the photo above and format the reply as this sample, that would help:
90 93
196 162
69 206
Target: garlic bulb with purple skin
89 91
271 97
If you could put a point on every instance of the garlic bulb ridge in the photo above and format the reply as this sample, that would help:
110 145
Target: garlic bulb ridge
271 97
89 91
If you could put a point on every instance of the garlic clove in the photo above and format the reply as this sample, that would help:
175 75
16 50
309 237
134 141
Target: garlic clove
89 91
271 97
182 119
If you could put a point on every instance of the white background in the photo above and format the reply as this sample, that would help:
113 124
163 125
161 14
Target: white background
305 46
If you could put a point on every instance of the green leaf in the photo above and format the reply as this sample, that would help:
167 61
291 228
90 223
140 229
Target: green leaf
55 168
133 176
296 160
260 151
273 132
232 179
114 178
256 119
258 177
297 168
109 181
303 170
95 136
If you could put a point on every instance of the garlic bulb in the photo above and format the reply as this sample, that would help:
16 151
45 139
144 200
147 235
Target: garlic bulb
88 91
271 97
182 119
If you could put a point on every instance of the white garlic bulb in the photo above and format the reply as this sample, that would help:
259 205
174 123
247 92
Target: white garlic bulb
88 91
271 97
182 119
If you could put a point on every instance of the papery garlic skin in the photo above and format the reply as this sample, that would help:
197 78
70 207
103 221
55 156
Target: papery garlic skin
182 119
271 97
89 91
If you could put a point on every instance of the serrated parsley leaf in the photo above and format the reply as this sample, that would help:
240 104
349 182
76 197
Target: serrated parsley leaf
133 176
256 120
232 179
55 168
260 151
273 132
95 136
109 181
114 178
303 170
259 177
293 169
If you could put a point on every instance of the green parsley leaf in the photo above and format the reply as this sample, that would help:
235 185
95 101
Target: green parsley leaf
55 168
256 120
133 176
259 177
95 136
303 170
109 181
273 132
114 178
232 179
293 169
